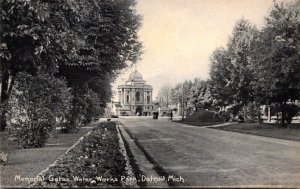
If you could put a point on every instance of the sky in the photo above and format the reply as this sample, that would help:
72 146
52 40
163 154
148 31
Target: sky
179 36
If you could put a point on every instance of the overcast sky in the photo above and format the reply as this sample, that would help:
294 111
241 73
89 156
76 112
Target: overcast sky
180 35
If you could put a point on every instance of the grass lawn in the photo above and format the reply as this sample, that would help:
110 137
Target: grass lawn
274 130
29 162
199 123
202 118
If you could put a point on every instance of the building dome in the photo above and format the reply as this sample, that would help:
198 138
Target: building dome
135 76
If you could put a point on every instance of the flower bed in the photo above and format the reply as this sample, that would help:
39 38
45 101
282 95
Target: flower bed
95 162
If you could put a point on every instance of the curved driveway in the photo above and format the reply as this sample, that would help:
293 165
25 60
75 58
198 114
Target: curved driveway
210 157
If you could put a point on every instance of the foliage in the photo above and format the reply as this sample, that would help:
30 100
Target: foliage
202 94
220 72
225 115
107 41
106 35
240 49
20 47
292 111
95 107
252 112
36 103
232 68
34 132
204 116
234 109
278 58
164 96
182 93
259 67
86 42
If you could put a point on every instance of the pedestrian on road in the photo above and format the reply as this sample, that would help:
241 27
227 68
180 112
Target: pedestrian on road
171 115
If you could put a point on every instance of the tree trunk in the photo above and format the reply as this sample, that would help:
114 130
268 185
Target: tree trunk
12 82
258 112
167 102
283 113
4 98
245 112
269 113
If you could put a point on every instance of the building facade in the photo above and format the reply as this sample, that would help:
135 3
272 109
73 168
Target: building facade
135 97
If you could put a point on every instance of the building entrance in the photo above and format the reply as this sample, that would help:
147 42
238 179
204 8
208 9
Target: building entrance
139 110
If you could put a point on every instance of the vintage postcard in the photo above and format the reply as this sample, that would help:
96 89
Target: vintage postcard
150 94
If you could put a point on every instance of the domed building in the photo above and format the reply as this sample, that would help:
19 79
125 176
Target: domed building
135 97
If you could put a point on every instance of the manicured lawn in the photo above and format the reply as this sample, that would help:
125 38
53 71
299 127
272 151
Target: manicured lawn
202 118
274 130
29 162
199 123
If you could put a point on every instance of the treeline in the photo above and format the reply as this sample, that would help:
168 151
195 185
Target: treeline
58 60
257 67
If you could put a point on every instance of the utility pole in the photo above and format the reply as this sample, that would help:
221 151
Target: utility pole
182 110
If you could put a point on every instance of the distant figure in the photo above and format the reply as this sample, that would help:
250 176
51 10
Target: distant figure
154 115
171 115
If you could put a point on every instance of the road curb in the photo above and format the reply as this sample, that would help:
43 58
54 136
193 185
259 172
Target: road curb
128 183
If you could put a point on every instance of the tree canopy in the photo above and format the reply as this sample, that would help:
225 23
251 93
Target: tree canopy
260 66
86 43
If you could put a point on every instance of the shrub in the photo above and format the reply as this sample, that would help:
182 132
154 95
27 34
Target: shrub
94 107
35 103
252 112
225 115
34 132
204 116
292 110
86 108
75 117
234 110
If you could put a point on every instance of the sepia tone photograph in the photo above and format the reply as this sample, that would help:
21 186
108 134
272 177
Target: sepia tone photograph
149 94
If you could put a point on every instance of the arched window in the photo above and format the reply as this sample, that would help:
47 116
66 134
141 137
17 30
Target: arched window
137 96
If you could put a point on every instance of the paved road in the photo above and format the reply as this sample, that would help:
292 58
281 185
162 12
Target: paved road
210 157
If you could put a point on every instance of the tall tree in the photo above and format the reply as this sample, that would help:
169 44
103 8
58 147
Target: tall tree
164 96
240 49
182 94
278 67
21 45
108 42
232 70
220 77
